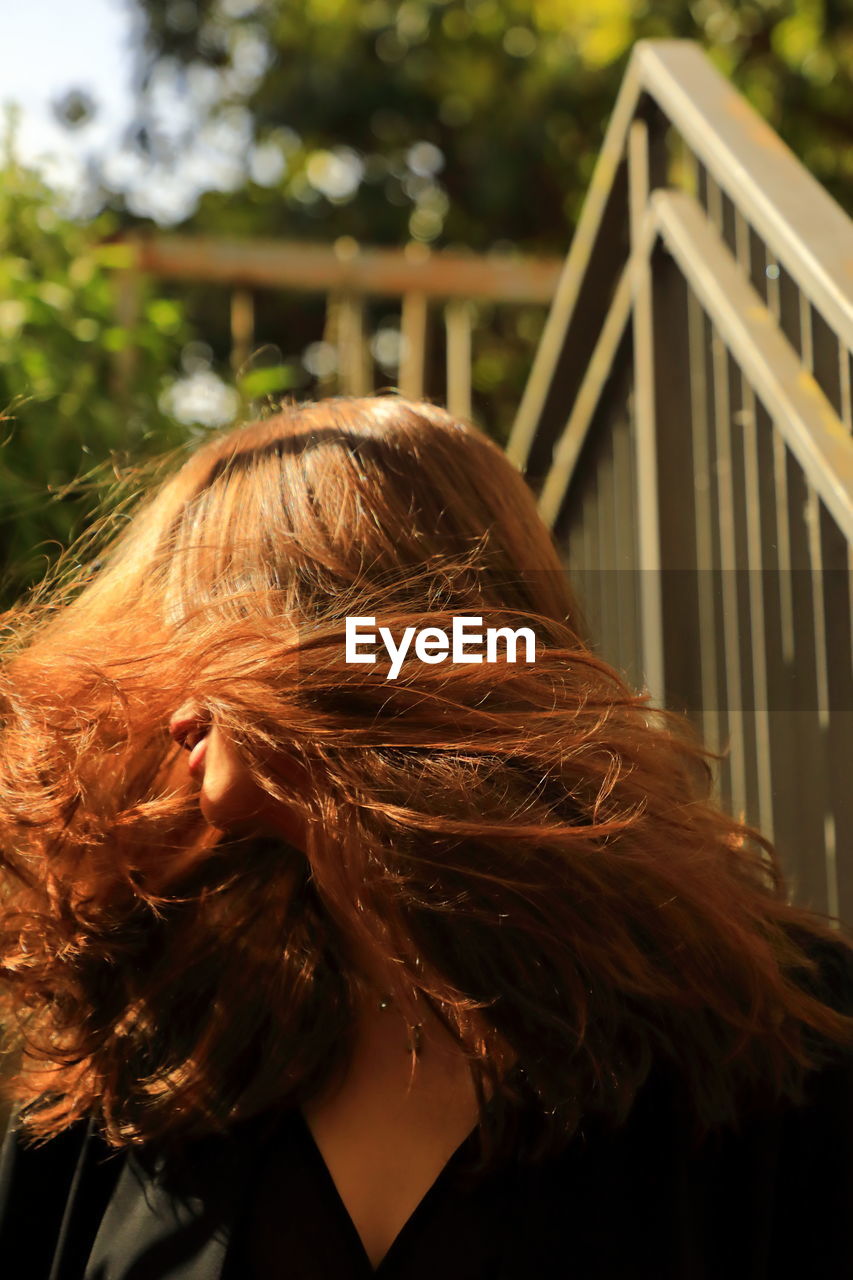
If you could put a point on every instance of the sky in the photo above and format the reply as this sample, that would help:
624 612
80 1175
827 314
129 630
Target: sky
50 47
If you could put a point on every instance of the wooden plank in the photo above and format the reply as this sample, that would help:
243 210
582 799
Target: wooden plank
242 317
458 325
318 268
354 371
413 331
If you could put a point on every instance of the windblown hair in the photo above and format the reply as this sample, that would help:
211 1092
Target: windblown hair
531 847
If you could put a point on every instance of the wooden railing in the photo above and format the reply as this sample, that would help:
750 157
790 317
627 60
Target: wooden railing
349 275
687 425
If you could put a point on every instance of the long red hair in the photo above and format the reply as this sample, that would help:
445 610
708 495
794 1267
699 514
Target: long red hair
531 845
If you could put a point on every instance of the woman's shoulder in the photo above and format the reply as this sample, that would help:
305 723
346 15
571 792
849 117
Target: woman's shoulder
52 1194
55 1196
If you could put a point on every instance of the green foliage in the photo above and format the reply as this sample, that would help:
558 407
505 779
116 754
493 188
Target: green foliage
68 420
274 379
470 121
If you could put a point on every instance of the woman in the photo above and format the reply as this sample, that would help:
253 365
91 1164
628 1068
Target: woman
451 969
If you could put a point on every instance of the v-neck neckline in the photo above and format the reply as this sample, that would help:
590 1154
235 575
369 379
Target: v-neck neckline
410 1224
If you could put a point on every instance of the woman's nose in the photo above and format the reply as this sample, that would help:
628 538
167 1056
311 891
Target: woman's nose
189 718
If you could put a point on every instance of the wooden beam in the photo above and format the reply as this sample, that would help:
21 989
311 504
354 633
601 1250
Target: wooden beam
319 268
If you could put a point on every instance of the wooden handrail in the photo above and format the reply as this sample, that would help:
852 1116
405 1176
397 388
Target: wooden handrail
809 234
346 267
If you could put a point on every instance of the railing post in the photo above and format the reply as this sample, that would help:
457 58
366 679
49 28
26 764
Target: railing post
329 382
353 369
649 561
413 331
345 321
242 328
457 321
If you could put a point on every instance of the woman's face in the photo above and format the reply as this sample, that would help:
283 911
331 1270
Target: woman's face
229 797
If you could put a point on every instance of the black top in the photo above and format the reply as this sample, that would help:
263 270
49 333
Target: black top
641 1202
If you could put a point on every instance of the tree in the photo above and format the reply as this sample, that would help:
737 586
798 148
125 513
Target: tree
457 121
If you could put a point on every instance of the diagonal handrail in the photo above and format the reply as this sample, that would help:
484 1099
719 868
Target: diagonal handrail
805 418
810 235
803 415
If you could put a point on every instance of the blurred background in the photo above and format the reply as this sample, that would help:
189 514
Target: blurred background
453 135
